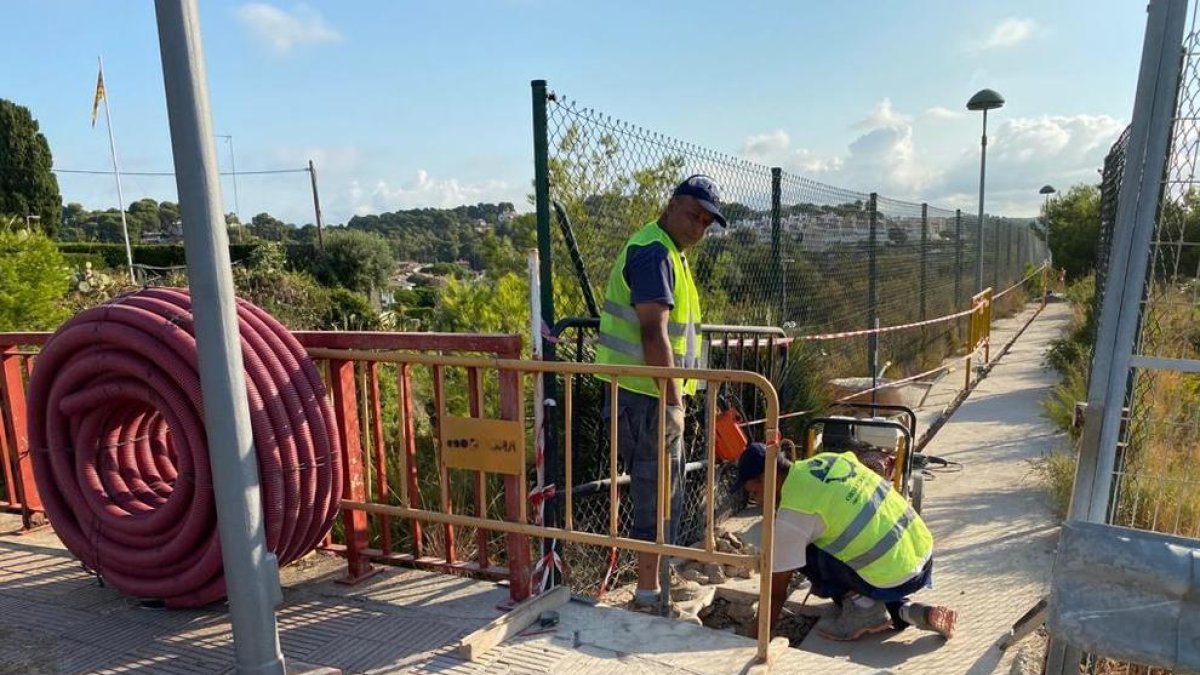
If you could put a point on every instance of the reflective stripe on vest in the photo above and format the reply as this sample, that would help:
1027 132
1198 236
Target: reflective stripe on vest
630 314
860 521
881 547
632 350
868 526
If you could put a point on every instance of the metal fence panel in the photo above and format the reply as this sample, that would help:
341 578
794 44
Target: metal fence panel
1141 438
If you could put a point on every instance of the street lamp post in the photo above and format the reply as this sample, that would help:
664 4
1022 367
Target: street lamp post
237 209
985 100
1046 191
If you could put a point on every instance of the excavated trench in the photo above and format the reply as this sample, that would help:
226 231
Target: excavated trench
725 598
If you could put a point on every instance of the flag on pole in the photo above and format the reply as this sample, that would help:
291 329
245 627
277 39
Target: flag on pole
99 96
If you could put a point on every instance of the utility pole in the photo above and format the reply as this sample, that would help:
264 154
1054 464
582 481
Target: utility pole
312 173
251 571
237 209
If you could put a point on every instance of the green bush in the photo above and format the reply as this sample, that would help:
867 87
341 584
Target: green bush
80 261
112 256
33 280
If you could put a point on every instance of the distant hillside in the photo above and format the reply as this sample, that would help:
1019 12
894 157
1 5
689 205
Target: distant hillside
442 235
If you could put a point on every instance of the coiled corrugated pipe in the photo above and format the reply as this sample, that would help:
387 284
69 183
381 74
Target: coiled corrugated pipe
120 455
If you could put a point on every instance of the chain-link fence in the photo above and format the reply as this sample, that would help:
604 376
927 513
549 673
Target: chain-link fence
1110 187
1140 449
1159 470
799 256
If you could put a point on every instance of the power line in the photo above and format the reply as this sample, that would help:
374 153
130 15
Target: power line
171 173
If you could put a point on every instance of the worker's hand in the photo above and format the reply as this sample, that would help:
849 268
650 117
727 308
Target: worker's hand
675 419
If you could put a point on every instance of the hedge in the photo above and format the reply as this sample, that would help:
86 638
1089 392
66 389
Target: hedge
154 255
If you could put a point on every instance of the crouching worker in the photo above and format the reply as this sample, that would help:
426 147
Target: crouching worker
856 539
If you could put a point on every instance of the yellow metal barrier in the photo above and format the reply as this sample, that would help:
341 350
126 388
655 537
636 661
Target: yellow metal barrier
498 446
979 333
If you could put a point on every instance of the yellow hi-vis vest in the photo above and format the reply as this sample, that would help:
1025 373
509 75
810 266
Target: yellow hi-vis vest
868 525
621 333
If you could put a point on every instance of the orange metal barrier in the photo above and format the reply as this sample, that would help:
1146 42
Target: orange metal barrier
497 445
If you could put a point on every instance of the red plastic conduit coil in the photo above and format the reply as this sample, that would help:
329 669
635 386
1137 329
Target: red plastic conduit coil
120 455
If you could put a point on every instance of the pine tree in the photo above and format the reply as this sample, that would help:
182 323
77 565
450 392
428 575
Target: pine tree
27 185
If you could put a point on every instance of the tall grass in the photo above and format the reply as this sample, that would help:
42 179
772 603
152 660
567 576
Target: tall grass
1158 473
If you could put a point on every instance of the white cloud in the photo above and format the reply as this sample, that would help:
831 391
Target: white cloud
1008 33
326 159
883 158
940 113
897 160
284 30
882 116
774 149
766 145
1026 153
426 191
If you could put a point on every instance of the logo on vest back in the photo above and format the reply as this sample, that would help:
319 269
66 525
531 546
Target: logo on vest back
831 471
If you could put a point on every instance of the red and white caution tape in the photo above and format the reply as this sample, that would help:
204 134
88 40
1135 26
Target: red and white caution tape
1019 283
885 329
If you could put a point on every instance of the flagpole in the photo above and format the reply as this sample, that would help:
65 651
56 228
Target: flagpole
112 144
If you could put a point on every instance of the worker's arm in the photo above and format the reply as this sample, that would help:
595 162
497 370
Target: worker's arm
656 345
780 581
789 552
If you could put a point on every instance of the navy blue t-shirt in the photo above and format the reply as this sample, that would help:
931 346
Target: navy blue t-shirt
650 275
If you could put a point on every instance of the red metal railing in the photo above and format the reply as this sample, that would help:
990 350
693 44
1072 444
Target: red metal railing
357 402
18 492
355 392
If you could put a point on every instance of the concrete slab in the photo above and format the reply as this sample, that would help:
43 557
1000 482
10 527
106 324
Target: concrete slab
995 536
995 541
398 621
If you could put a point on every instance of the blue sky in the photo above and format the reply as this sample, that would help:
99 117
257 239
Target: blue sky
426 103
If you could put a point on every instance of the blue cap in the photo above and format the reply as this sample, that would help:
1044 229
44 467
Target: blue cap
751 464
704 190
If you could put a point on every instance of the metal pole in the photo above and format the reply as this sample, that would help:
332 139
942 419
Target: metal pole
1125 281
112 144
1126 278
996 255
958 264
237 209
251 572
541 189
776 217
1008 253
312 173
873 287
924 259
979 223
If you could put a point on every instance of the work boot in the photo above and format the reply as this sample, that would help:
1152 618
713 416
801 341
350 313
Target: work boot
854 622
934 618
683 590
654 608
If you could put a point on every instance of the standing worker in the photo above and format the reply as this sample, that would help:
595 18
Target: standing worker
651 317
856 540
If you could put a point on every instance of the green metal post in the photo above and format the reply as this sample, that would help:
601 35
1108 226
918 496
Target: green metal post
541 190
873 289
776 257
924 291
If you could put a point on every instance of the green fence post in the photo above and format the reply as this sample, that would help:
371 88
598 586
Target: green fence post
873 287
541 190
776 257
924 269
